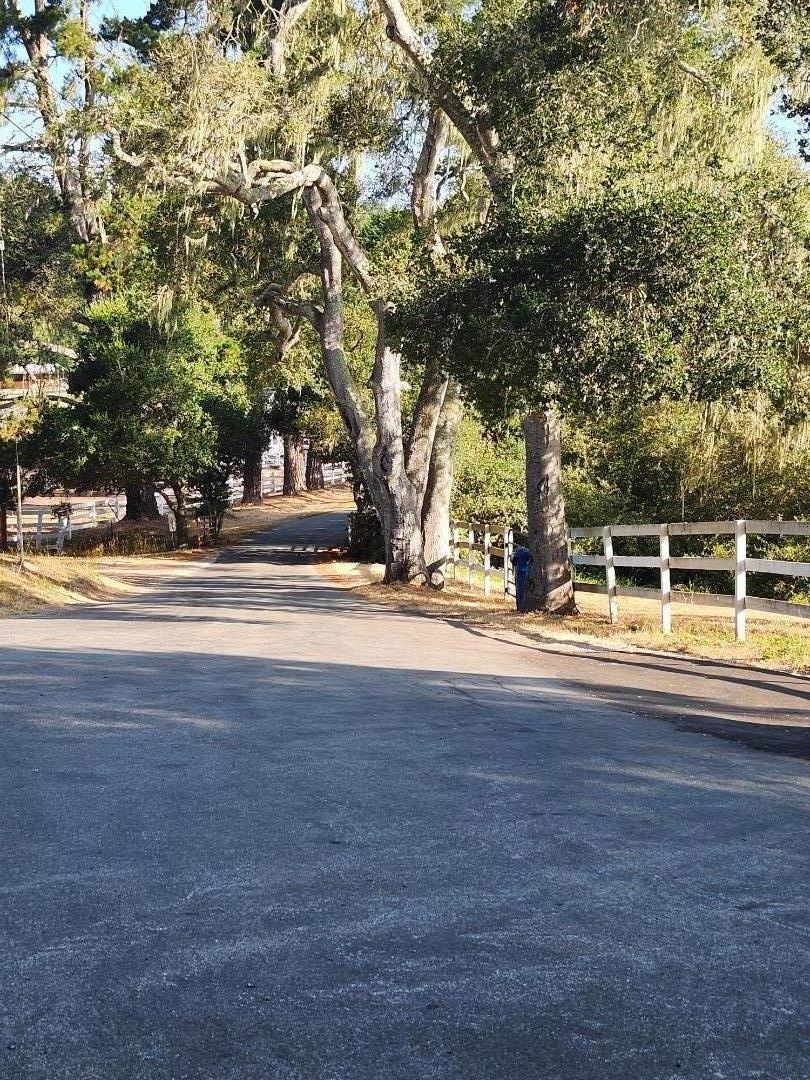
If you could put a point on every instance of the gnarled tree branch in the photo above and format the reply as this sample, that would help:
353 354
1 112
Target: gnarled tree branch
473 124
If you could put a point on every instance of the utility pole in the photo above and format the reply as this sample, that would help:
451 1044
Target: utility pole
20 541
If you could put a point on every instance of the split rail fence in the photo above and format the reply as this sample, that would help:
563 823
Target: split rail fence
475 545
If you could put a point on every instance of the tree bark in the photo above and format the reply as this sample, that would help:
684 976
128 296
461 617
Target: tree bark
3 527
436 505
141 502
472 123
252 477
180 514
295 465
549 587
315 481
395 473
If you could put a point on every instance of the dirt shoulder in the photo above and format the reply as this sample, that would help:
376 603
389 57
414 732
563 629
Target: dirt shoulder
778 644
53 581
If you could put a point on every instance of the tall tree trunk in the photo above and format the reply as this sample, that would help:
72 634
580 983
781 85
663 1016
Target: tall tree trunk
549 587
252 477
3 527
436 506
398 498
180 514
315 480
141 502
295 465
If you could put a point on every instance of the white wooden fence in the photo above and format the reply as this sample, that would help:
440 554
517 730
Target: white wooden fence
46 531
488 540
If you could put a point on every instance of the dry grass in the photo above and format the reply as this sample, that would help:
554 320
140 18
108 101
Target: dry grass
780 643
52 581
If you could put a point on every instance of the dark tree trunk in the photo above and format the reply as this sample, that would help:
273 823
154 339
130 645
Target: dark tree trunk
3 527
295 465
180 514
549 587
141 502
252 477
314 471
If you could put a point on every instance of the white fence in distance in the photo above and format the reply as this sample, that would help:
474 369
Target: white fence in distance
488 540
47 531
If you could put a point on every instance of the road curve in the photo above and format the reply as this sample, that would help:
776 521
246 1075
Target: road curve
255 828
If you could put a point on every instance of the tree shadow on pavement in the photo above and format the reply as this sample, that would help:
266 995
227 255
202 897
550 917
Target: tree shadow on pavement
228 866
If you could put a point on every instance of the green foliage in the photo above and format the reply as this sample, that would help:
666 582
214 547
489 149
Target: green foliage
42 289
683 294
489 478
669 461
587 94
150 398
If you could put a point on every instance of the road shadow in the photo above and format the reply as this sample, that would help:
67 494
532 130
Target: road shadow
263 867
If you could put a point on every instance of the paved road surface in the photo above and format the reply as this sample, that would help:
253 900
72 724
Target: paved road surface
253 827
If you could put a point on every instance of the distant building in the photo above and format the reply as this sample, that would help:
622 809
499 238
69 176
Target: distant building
33 381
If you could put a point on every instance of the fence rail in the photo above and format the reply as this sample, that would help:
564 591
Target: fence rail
49 532
488 540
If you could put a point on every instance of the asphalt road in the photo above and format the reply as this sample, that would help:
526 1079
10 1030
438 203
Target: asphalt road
253 827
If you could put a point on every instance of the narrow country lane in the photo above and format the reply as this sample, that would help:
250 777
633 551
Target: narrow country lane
253 827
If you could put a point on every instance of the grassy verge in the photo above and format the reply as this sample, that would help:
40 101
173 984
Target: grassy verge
780 643
48 581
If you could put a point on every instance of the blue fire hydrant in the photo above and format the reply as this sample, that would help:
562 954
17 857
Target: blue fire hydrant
521 561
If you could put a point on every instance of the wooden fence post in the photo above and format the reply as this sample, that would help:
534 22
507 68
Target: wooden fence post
40 529
487 561
740 556
456 552
470 542
610 574
666 582
571 567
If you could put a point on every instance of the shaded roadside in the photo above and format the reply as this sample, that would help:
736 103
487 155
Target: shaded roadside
764 708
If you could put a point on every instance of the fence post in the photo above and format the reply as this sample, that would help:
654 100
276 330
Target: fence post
470 542
666 583
487 561
740 556
40 515
94 513
610 574
509 548
571 568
